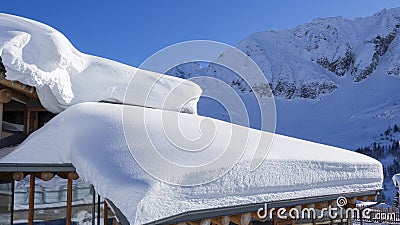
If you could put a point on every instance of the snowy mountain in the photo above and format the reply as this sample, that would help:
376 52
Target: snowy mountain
335 80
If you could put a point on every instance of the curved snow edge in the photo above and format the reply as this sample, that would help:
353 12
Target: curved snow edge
40 56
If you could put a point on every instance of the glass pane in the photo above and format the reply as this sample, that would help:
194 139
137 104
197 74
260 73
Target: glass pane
51 200
82 197
5 203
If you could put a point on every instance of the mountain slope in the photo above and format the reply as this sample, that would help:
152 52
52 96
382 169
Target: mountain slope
335 80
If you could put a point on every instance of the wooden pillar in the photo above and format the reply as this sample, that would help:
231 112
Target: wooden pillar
1 120
69 202
5 97
27 121
105 212
93 206
31 199
35 120
98 209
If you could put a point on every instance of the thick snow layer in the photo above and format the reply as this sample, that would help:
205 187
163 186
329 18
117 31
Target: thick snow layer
91 137
38 55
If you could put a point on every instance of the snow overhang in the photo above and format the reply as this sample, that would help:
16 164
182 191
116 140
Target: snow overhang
239 209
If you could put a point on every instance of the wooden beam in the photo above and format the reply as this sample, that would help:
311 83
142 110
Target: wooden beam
18 176
193 222
255 216
310 206
333 203
18 86
73 175
37 109
69 202
46 176
21 98
236 219
31 199
63 175
352 200
225 220
205 222
245 219
241 219
320 205
5 95
216 220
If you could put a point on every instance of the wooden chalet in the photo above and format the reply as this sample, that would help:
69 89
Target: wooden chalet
19 104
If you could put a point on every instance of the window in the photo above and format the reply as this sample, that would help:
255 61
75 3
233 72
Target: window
6 203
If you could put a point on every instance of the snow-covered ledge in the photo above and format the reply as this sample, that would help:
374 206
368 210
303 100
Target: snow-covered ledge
91 135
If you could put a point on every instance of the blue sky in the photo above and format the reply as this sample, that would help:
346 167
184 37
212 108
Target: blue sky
131 31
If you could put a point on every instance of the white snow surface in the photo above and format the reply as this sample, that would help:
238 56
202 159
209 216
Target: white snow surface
40 56
91 137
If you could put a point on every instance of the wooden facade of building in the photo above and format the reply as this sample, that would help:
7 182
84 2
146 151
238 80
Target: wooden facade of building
19 106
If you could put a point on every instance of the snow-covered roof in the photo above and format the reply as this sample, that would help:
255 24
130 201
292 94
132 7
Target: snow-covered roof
91 137
40 56
109 144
